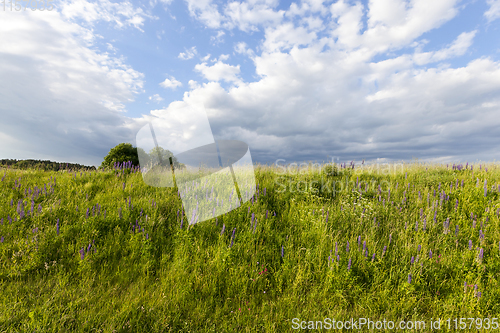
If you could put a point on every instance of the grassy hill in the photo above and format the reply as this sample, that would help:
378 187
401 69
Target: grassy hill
101 251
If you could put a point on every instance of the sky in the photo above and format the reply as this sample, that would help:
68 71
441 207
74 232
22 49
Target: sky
310 80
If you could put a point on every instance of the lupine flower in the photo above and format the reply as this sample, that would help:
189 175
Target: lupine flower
409 278
364 245
182 222
470 244
481 235
481 254
232 237
82 253
349 264
456 230
87 215
347 247
57 226
385 249
359 241
412 260
282 251
430 254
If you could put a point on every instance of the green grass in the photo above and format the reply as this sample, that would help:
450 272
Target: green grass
191 280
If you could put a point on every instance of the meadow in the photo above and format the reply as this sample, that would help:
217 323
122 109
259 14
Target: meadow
101 251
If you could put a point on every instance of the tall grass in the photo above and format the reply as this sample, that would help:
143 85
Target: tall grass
129 266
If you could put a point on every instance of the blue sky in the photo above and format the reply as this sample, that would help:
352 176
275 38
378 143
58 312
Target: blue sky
295 80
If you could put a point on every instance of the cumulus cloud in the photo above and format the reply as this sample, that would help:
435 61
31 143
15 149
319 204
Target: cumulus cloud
493 12
171 83
247 16
156 98
311 101
219 72
122 14
189 54
457 48
65 98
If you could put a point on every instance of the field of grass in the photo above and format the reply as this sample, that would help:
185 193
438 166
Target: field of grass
103 252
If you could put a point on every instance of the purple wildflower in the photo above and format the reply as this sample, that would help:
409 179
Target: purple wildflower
57 226
412 260
409 278
347 247
359 241
349 264
481 254
282 251
430 254
82 253
385 249
232 237
470 244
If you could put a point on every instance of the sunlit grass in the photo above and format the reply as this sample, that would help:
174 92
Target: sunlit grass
142 272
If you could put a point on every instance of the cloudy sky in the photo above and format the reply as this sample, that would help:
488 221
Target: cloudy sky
299 81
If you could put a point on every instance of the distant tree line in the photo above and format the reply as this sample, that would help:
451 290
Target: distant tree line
43 165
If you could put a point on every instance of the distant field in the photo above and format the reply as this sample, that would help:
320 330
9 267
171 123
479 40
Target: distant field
101 251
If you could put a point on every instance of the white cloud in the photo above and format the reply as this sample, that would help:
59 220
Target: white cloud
218 38
242 48
78 92
310 102
206 12
287 36
156 98
223 57
219 71
189 54
122 14
493 12
171 83
457 48
248 15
